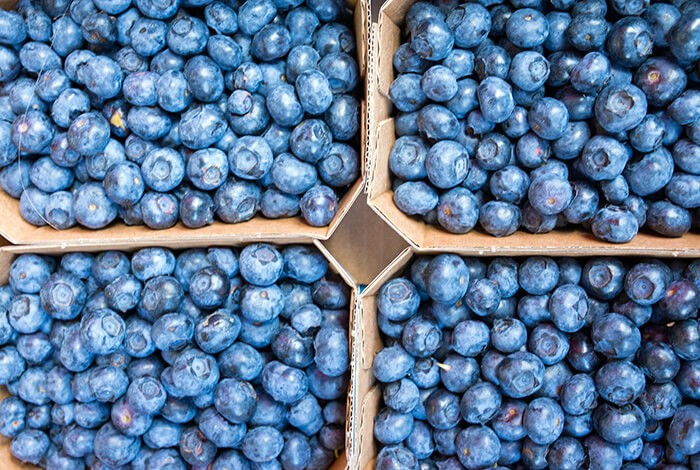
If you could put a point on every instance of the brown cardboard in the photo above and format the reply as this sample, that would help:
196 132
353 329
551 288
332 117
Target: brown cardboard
386 38
8 253
18 231
363 244
369 342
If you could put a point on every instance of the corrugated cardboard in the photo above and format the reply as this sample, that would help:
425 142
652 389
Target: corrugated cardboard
385 40
8 253
18 231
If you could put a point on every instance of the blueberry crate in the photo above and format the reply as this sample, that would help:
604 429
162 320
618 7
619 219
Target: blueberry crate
371 340
16 230
388 33
344 459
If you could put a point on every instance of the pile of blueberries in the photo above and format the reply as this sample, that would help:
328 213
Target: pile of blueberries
159 111
204 359
540 363
547 113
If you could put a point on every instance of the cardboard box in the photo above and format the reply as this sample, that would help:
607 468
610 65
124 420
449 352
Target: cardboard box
369 342
385 39
18 231
8 253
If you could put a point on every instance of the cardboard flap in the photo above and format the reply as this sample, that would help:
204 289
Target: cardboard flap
363 244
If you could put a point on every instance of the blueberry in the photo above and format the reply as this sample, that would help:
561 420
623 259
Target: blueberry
615 224
26 314
28 273
301 59
649 173
499 218
115 448
544 421
527 28
591 73
437 123
529 70
442 409
124 183
646 283
17 29
12 365
73 355
342 117
187 36
491 60
262 444
588 31
684 155
668 219
495 99
508 335
662 80
439 83
250 158
172 93
611 377
457 210
682 39
302 23
107 383
630 41
172 332
679 300
520 374
32 132
149 123
548 118
470 23
34 348
102 76
140 88
30 446
568 307
480 403
477 437
620 108
531 151
162 169
432 38
219 431
483 297
319 205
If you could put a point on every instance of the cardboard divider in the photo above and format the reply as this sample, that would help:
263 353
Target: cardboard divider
344 462
369 343
387 36
18 231
363 244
